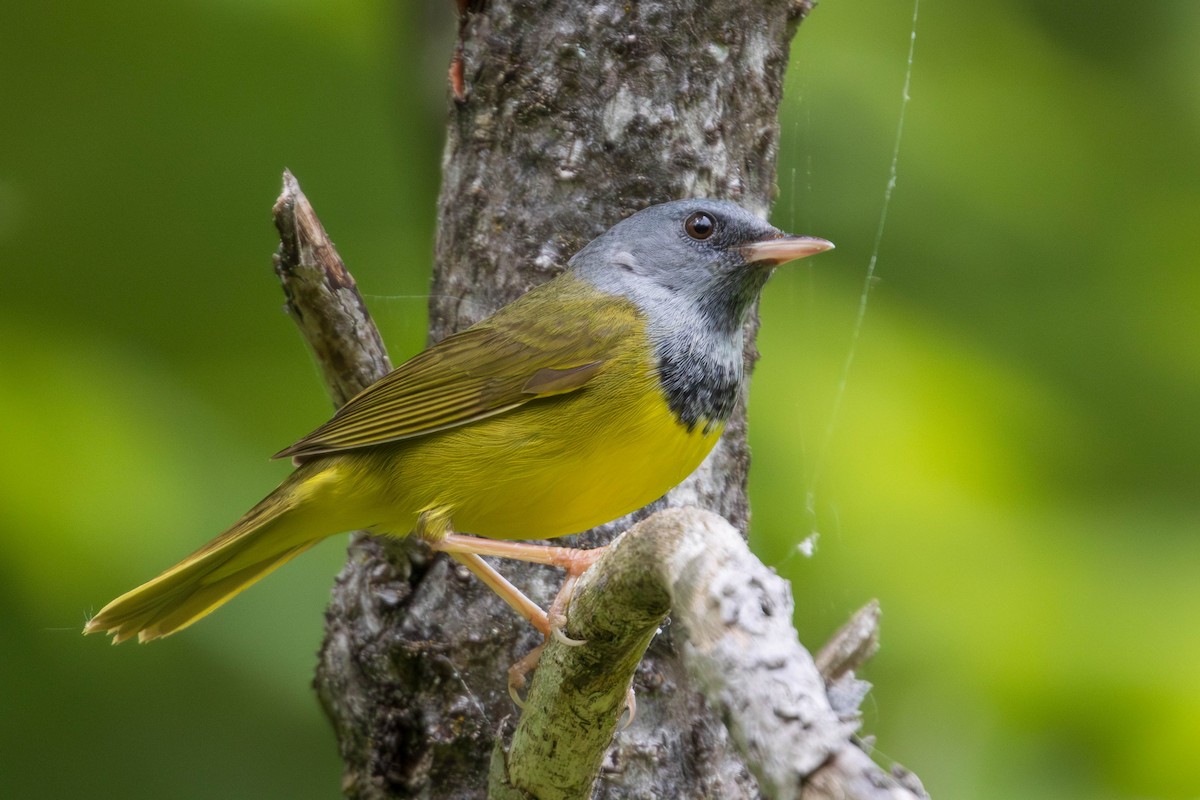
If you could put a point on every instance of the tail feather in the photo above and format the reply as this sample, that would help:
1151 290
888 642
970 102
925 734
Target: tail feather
207 599
272 533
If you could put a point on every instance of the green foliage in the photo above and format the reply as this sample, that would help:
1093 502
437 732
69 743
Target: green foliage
1014 468
1012 471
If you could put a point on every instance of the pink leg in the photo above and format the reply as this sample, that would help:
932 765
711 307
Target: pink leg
507 592
467 551
572 559
518 671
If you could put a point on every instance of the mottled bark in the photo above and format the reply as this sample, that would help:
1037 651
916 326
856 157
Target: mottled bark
323 299
570 115
791 722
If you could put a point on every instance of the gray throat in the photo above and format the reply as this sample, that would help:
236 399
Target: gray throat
700 356
701 372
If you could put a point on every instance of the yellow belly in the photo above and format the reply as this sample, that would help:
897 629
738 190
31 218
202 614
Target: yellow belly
558 484
555 466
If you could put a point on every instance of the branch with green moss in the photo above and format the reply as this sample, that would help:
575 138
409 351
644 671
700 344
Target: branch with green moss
731 619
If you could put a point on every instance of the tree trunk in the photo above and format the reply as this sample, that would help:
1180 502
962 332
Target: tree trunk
567 116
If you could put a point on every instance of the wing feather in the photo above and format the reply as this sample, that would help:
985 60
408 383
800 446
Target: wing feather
547 343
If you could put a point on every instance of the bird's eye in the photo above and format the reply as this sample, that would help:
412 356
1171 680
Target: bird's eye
700 226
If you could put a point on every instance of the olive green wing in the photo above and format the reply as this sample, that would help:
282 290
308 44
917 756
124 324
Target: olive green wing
529 350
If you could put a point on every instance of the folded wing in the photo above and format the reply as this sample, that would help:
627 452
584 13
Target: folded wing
537 347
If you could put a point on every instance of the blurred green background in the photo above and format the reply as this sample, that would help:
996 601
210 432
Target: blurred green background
1012 466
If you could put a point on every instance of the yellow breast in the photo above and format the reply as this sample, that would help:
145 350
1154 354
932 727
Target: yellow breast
554 466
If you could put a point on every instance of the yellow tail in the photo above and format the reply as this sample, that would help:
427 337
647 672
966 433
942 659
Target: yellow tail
272 533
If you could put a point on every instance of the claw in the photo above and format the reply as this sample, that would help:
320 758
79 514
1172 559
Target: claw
556 630
557 615
630 706
514 693
518 671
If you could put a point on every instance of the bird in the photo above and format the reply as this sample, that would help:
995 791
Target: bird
584 399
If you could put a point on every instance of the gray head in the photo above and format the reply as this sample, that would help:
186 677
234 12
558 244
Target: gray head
710 255
694 268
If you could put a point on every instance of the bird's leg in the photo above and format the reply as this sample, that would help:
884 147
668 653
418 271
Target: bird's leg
433 525
549 624
574 560
510 594
518 671
557 613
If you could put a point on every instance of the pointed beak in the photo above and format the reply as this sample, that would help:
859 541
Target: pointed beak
784 249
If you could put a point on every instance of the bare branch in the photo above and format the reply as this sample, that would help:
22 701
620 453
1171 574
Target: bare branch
578 693
323 299
853 645
731 617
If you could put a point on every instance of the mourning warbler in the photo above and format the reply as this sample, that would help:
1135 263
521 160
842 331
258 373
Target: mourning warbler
585 399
